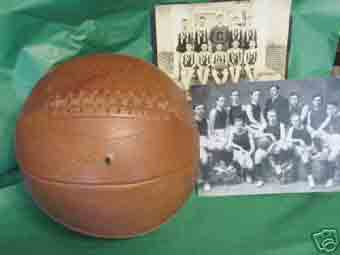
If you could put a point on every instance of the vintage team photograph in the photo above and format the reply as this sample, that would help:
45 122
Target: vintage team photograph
223 42
269 137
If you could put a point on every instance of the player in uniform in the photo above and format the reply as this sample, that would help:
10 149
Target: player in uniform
236 31
236 109
188 63
316 117
201 121
282 163
279 103
218 119
224 168
219 64
331 137
219 34
256 123
254 113
243 145
300 141
251 57
249 34
272 137
202 125
280 154
184 37
274 128
201 35
203 63
235 60
297 107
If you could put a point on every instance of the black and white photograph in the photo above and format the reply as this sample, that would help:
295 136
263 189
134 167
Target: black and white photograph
223 42
268 137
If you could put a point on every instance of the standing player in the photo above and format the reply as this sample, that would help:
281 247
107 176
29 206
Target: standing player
218 119
250 34
254 113
243 145
219 34
279 104
219 64
201 34
188 64
235 59
201 121
297 107
236 31
204 63
251 56
184 37
202 124
236 109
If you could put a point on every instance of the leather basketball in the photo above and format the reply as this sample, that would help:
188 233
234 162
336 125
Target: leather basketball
107 146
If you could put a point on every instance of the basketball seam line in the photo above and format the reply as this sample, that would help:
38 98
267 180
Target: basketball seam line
154 179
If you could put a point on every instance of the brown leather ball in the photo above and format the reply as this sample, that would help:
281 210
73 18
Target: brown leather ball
107 146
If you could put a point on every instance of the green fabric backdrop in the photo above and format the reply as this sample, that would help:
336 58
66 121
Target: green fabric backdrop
36 34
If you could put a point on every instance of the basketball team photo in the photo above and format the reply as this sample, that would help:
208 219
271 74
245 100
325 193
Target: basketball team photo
223 42
269 137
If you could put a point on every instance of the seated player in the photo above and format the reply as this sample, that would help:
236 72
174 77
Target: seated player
326 139
187 67
272 135
261 157
274 129
300 141
242 143
218 119
319 161
331 137
316 117
251 56
219 64
235 60
224 170
256 121
282 163
203 63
